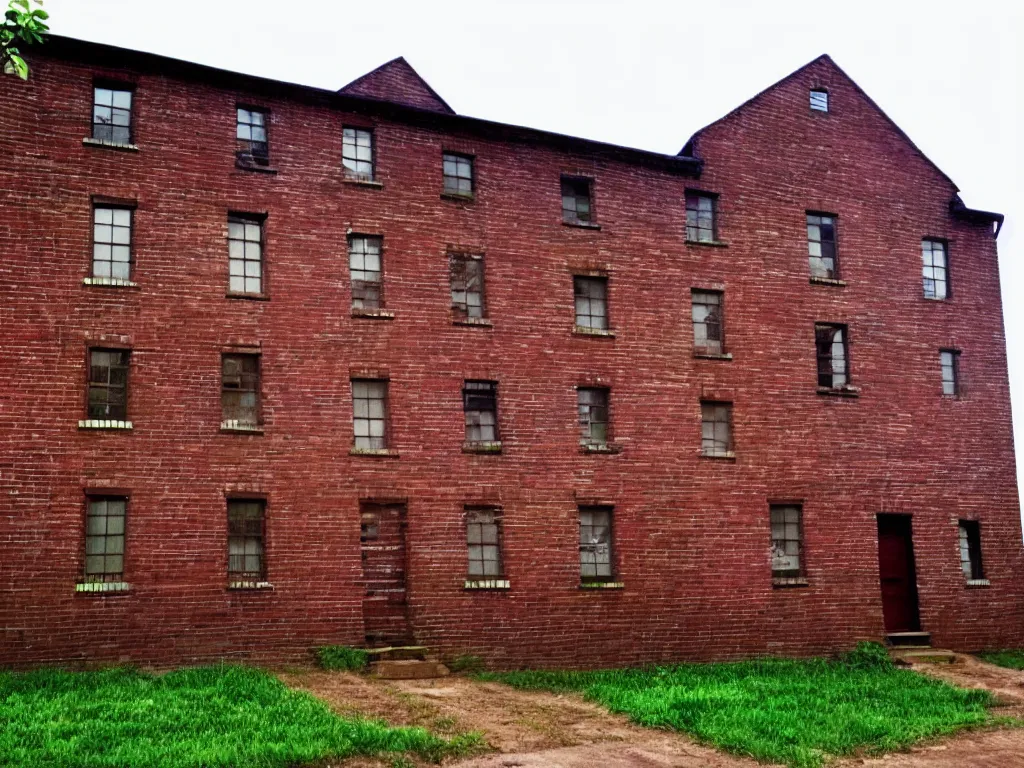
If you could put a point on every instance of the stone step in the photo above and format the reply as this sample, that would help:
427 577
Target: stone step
409 669
923 656
397 653
905 639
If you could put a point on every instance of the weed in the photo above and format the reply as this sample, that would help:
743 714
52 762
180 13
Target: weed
1012 659
340 657
466 663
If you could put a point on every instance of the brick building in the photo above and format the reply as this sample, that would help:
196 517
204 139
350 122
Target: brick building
286 367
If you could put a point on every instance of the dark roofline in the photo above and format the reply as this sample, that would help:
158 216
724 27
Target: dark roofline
974 216
102 55
395 60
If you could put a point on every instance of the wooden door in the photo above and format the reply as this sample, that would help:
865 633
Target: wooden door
896 571
385 611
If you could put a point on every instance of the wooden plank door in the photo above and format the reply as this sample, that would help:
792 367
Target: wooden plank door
897 574
385 610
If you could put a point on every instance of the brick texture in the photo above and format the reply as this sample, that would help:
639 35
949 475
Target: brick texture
691 534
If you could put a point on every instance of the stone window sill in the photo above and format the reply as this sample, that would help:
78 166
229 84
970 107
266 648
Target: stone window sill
789 581
600 448
455 197
730 456
373 314
255 168
249 296
368 183
487 584
581 330
383 453
708 243
103 587
110 282
88 141
470 447
481 322
827 281
240 429
602 585
251 586
978 583
839 391
581 225
104 424
713 355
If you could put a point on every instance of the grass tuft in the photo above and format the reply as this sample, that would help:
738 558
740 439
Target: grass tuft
1011 659
797 712
208 716
340 657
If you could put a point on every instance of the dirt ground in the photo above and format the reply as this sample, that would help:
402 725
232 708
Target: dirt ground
543 730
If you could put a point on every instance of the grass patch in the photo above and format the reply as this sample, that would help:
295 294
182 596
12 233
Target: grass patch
797 712
340 657
208 716
1008 658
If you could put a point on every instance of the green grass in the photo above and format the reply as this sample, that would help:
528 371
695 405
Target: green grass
797 712
343 658
208 716
1010 659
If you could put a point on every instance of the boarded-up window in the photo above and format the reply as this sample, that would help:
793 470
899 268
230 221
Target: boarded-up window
458 174
364 260
708 336
112 242
240 391
934 269
949 359
467 277
480 402
112 115
483 538
700 217
251 134
357 153
596 544
245 540
821 246
832 354
970 550
245 254
787 541
591 296
593 410
369 413
104 539
716 428
108 384
576 203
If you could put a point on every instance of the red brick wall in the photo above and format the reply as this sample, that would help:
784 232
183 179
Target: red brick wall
691 534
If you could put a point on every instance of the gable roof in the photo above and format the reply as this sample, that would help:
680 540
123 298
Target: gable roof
396 81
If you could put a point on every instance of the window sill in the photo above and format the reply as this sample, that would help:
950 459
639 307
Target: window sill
839 391
600 448
779 582
827 281
249 296
256 168
104 424
373 314
713 355
455 197
470 447
936 299
109 282
91 142
368 183
708 243
240 429
480 322
581 330
487 584
730 456
383 453
602 585
250 586
103 587
974 583
581 225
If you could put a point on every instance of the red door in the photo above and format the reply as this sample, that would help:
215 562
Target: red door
896 571
382 537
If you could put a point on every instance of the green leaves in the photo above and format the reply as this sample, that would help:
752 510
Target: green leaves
23 23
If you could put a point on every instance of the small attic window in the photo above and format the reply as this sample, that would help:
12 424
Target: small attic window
819 100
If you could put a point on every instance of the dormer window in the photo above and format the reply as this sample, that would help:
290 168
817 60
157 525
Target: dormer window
819 100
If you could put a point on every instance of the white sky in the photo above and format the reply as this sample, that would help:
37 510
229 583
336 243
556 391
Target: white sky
642 73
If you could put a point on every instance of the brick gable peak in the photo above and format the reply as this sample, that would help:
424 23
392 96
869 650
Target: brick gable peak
396 81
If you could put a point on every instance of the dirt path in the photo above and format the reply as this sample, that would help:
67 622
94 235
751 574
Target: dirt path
544 730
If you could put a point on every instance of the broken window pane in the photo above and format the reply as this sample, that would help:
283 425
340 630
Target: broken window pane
787 540
240 391
467 279
821 245
576 206
112 115
458 174
708 337
483 538
933 268
108 384
970 550
365 265
700 217
112 242
593 412
716 429
104 539
591 295
245 254
480 403
833 364
369 413
245 539
357 153
251 133
596 544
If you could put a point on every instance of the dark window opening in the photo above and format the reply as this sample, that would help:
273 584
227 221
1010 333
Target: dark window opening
112 115
104 539
240 391
821 246
787 541
108 384
596 544
700 217
833 360
467 280
593 413
251 133
576 201
458 174
245 254
708 336
357 153
716 429
934 269
246 561
364 260
591 298
480 402
112 243
369 414
970 550
483 539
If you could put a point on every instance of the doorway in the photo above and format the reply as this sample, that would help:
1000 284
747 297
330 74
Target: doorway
897 574
382 540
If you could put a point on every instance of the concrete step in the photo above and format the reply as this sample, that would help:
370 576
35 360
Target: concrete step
409 669
905 639
397 653
923 656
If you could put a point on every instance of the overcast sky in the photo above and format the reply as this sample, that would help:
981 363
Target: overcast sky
640 73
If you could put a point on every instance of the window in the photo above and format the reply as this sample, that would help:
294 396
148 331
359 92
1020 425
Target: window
708 338
369 414
364 261
591 294
819 100
467 274
108 384
480 402
821 245
950 361
251 132
458 174
483 537
833 360
240 391
596 544
576 206
787 541
936 281
112 243
245 254
716 429
104 539
357 153
246 562
593 408
700 217
970 550
112 115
